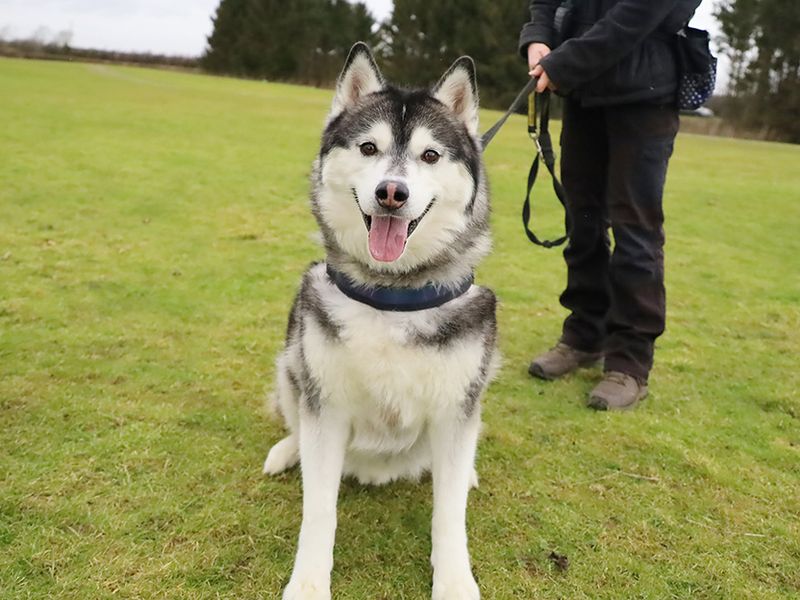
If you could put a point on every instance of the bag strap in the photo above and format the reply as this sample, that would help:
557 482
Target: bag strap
538 104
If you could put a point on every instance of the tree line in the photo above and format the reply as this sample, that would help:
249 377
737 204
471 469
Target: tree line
762 40
306 41
302 40
52 50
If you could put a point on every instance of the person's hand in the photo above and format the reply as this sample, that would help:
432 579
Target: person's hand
544 80
536 52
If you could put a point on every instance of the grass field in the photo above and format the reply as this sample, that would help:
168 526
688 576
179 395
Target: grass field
153 227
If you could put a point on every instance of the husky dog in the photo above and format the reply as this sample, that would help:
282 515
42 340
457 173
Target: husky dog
389 345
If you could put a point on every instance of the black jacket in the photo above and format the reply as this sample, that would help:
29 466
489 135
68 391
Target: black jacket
619 51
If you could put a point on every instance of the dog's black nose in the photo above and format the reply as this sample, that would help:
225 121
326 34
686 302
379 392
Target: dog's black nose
391 194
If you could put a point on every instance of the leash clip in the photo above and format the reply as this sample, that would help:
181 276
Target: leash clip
534 135
533 132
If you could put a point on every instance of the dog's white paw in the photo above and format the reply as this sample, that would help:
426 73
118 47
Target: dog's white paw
455 587
283 455
473 480
307 588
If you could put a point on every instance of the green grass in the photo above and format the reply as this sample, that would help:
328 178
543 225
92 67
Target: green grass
153 228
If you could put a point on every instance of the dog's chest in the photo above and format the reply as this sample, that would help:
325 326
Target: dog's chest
379 366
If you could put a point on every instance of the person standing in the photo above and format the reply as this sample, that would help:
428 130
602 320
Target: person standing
617 71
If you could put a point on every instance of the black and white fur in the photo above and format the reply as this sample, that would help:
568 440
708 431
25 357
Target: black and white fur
382 395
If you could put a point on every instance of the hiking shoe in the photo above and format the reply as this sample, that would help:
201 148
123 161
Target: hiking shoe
560 360
617 391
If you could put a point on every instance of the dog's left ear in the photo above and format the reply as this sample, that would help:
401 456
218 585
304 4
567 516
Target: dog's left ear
360 76
458 91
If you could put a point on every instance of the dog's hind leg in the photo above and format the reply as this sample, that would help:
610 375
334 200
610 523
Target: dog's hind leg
286 453
283 455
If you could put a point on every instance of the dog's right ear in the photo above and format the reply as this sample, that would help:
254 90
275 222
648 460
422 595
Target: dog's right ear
360 76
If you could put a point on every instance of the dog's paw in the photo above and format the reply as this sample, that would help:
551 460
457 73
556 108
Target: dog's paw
283 455
455 587
307 588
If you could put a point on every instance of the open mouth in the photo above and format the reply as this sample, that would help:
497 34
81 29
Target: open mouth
388 234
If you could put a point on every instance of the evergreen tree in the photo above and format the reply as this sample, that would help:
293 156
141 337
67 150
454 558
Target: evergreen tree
423 38
223 51
302 40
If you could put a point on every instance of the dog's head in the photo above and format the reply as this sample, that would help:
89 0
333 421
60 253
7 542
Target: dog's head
399 185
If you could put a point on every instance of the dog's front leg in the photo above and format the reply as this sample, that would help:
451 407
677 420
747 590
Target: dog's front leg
453 444
323 440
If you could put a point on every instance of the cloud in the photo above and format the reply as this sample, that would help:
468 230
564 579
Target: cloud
175 27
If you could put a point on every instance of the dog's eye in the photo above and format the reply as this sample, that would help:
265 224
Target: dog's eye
368 149
430 156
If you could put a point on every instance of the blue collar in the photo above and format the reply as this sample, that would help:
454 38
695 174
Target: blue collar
397 299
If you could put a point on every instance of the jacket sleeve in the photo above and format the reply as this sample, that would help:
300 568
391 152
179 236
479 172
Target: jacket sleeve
606 43
540 29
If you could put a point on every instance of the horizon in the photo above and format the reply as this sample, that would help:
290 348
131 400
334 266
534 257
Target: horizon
178 28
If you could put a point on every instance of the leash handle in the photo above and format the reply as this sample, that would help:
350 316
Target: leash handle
532 115
539 132
539 106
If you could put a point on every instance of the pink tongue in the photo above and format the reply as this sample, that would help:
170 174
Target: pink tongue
387 238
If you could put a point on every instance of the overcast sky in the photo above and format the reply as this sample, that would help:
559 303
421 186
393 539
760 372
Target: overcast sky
169 27
159 26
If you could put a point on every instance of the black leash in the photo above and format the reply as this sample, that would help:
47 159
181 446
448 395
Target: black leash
529 88
538 110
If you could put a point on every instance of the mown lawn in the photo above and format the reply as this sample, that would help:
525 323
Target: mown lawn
153 227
